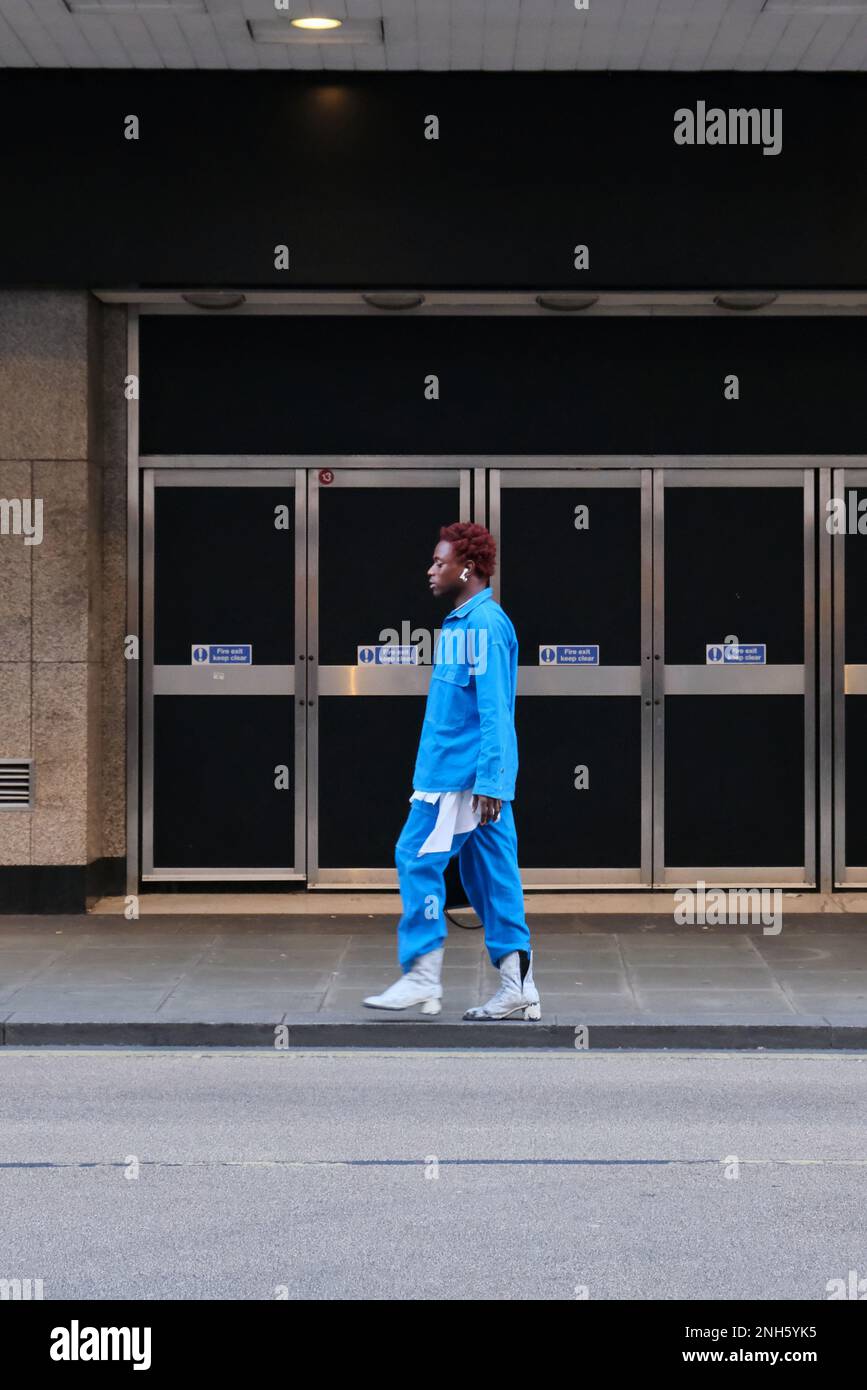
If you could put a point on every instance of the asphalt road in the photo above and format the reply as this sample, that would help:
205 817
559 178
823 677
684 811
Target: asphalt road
432 1175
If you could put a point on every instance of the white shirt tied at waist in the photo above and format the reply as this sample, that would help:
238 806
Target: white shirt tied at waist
456 815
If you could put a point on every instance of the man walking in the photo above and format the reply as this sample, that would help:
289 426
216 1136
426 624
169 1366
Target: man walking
463 785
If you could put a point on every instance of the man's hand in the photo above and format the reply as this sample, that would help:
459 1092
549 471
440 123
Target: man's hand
489 807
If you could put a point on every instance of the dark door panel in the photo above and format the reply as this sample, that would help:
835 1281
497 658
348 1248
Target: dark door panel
597 823
734 675
372 537
575 572
224 572
563 584
224 680
215 800
367 747
734 780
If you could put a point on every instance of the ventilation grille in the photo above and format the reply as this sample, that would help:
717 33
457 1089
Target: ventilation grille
16 784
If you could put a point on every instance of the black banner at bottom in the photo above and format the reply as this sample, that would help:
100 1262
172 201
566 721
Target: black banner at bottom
161 1338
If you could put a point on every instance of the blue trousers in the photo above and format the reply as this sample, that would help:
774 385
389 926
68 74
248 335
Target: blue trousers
489 870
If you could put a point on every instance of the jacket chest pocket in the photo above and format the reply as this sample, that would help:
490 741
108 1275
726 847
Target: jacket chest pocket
455 673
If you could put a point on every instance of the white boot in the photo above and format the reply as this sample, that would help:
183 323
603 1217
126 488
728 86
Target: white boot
419 985
517 996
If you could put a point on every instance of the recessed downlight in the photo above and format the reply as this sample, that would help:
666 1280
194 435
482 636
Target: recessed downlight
316 30
389 300
214 299
314 22
745 300
566 303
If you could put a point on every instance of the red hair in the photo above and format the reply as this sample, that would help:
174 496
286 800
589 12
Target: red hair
472 542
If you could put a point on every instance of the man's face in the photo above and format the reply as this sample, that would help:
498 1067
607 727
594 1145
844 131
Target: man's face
444 575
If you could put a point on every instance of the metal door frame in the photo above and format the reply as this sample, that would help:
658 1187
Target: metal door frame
593 680
847 679
778 679
359 680
265 680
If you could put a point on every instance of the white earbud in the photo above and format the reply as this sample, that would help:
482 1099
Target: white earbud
464 575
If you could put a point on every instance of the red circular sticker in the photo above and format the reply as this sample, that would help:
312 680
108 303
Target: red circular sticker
326 475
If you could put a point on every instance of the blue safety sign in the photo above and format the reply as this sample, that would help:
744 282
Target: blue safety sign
736 654
388 654
587 655
222 654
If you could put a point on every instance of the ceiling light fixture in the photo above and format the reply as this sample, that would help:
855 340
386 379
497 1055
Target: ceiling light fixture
314 23
316 31
215 299
758 300
393 301
566 303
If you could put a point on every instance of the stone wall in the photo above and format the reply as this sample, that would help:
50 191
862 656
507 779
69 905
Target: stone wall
62 600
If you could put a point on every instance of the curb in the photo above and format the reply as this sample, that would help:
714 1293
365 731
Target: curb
807 1033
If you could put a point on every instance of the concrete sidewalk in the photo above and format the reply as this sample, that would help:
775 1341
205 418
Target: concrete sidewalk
632 981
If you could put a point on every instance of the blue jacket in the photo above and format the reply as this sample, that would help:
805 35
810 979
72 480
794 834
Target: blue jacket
468 737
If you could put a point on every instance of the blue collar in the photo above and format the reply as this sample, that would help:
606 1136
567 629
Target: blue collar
470 604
